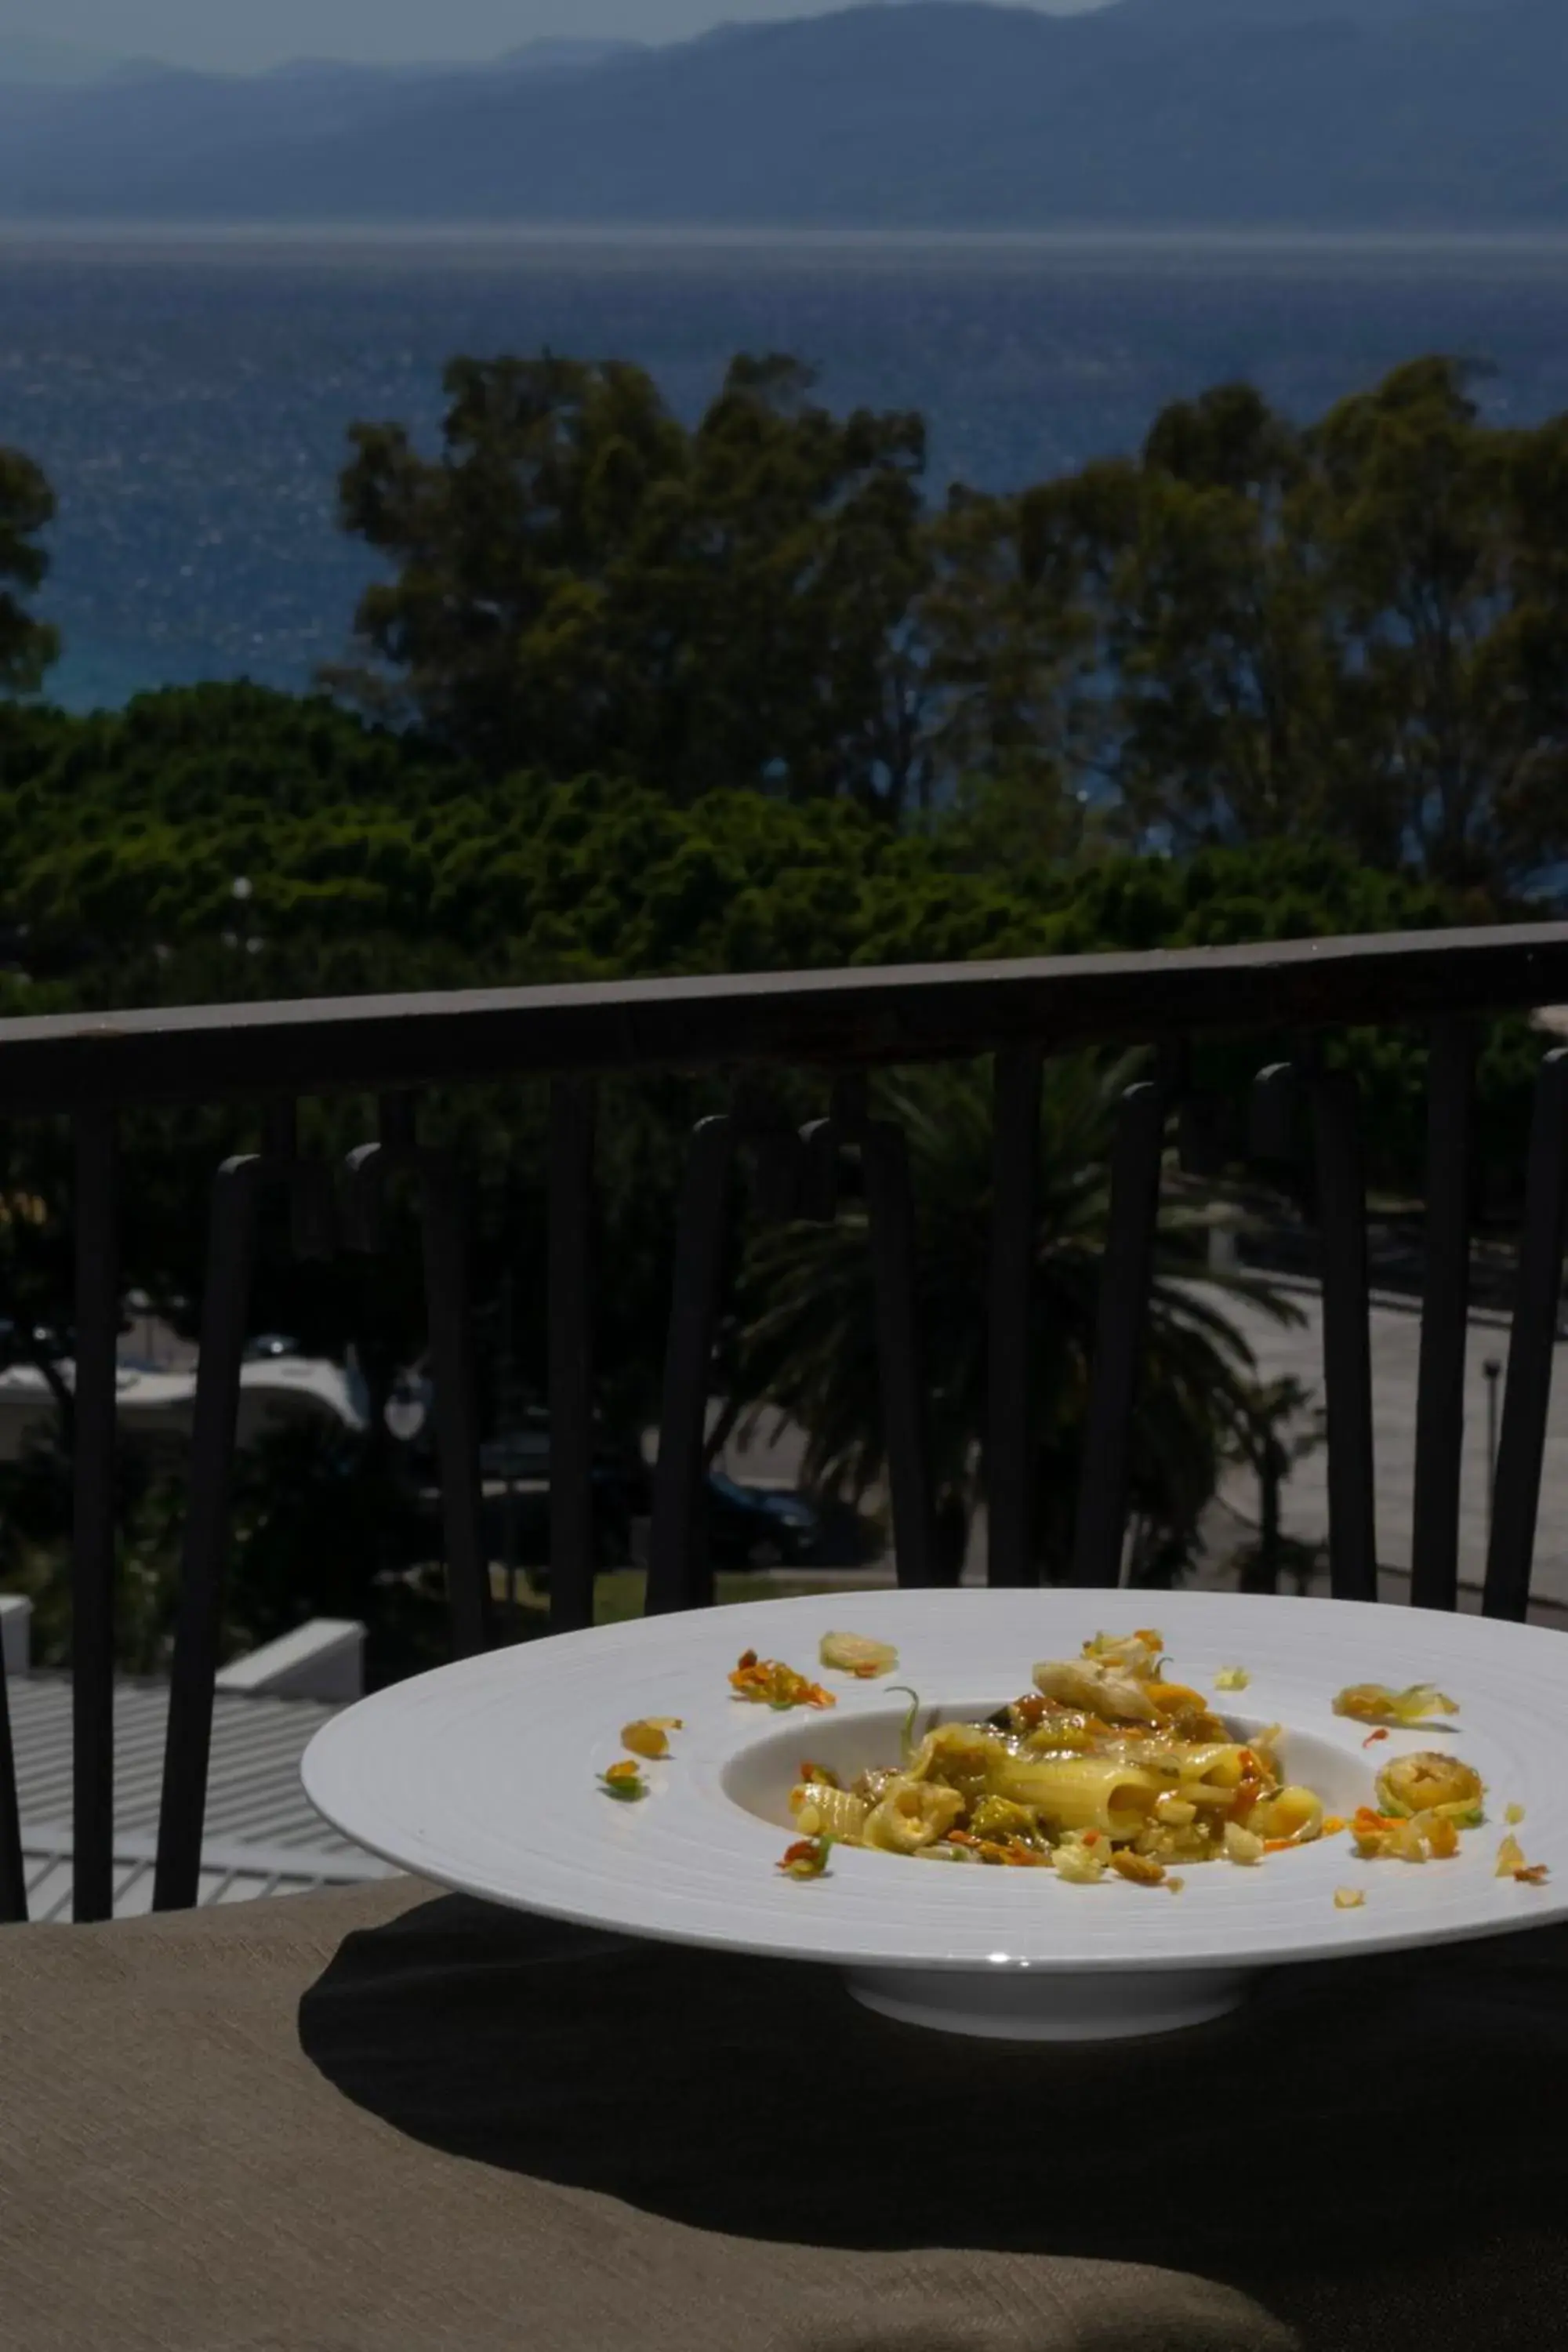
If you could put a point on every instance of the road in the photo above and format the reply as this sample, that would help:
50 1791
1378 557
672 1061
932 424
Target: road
1295 1352
1395 1335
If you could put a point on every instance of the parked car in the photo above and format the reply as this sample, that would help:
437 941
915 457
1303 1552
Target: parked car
759 1526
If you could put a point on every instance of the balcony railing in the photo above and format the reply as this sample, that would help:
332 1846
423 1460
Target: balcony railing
838 1026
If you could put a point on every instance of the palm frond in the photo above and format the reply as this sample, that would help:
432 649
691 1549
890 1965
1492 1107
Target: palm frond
806 1347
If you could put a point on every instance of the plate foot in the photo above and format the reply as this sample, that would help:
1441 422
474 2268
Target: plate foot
1016 2005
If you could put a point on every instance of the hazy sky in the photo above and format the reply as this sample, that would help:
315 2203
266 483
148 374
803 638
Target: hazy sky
245 34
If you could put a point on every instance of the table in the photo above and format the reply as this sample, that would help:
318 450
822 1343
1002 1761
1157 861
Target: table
389 2120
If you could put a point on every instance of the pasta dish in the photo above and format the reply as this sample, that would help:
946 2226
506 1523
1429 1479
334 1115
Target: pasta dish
1104 1765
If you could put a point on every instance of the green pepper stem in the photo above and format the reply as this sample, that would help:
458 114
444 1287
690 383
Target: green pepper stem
907 1729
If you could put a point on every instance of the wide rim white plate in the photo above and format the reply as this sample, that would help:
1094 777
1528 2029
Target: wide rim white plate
483 1776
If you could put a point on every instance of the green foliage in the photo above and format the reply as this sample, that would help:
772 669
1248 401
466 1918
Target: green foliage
1355 631
376 863
1253 631
326 1527
586 584
35 1557
26 507
372 863
806 1346
322 1527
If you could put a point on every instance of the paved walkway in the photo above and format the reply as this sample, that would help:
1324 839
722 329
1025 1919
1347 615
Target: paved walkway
1297 1351
1395 1333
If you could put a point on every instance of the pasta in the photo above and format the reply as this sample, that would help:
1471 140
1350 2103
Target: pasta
827 1811
1429 1782
1104 1767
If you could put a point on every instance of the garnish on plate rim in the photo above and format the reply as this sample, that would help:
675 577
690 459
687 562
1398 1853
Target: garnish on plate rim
1375 1702
1511 1863
650 1735
765 1682
857 1654
807 1858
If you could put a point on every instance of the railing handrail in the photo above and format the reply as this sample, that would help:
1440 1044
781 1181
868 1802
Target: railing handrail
843 1018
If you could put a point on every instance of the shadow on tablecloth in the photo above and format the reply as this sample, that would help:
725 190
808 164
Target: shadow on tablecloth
1374 2150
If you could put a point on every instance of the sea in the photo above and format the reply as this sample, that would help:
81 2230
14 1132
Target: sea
190 396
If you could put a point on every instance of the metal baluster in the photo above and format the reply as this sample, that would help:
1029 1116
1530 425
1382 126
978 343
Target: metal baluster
680 1572
444 1220
1347 1351
443 1216
231 1252
12 1869
93 1518
890 1220
1125 1274
226 1307
1445 1318
890 1230
1531 1346
1014 1169
572 1542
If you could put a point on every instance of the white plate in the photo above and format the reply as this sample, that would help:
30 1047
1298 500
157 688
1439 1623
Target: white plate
484 1777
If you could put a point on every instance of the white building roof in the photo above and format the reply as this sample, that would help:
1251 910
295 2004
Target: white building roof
155 1404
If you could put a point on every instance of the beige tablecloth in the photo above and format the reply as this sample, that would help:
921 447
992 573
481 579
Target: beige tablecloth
393 2121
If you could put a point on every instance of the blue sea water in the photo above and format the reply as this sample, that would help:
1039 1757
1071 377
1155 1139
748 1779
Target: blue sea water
190 396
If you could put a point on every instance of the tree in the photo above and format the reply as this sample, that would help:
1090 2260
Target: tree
1354 632
1252 631
805 1345
1276 1427
585 584
1214 632
1008 642
1143 634
1449 603
26 507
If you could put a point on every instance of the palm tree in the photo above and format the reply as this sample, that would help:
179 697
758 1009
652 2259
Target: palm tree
804 1340
1279 1427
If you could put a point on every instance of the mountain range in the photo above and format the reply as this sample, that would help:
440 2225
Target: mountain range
29 58
939 114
